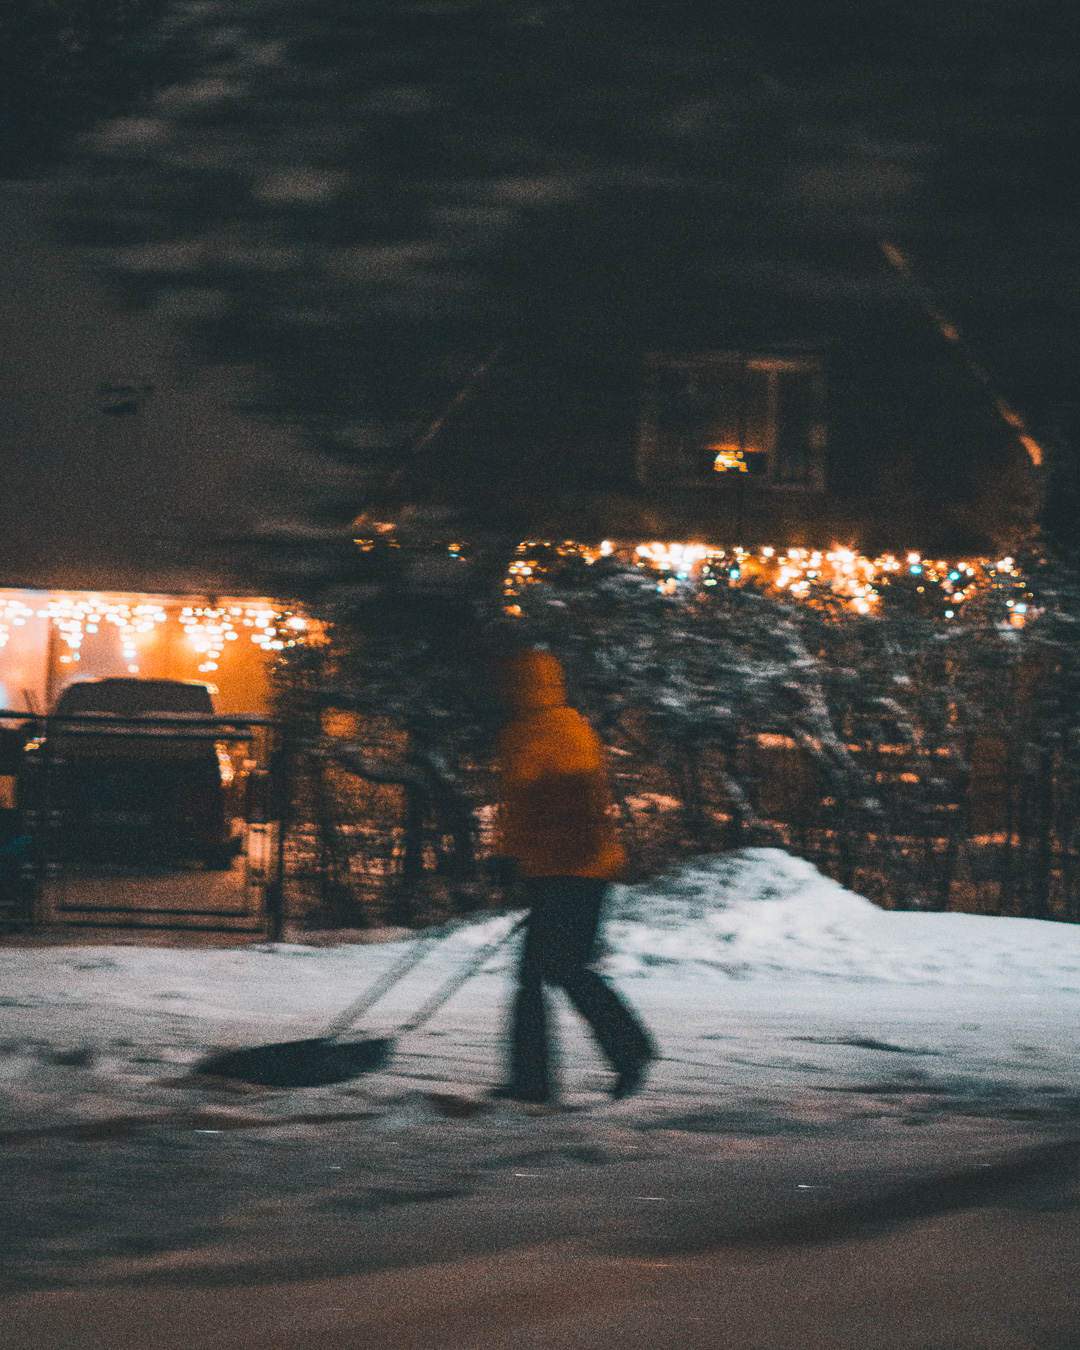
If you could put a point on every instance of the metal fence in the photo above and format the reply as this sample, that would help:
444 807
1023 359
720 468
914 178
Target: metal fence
966 798
146 821
359 852
977 826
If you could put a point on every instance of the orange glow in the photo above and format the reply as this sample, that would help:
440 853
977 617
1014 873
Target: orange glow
140 620
840 576
1014 419
1034 450
729 459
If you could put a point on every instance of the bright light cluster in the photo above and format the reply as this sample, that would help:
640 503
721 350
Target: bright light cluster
811 575
208 628
729 459
842 574
76 617
526 567
13 614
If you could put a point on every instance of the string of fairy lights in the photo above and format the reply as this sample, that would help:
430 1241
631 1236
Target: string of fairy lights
941 588
937 587
208 629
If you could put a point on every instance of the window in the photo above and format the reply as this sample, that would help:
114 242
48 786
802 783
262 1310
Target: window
716 415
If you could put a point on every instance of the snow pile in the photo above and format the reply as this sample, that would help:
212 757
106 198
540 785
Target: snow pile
850 1027
761 912
757 915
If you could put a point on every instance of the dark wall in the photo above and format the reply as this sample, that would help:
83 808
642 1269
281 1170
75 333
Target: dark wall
917 457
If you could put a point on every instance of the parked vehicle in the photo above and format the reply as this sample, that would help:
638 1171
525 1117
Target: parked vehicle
131 767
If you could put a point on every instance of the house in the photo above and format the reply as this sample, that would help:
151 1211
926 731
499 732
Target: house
726 415
867 423
131 495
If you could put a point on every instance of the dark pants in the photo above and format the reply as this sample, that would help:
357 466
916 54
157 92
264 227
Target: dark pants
560 937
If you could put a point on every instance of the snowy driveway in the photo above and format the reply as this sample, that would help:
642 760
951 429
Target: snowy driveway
811 1045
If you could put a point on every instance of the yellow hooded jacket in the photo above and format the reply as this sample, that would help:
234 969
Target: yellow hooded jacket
554 799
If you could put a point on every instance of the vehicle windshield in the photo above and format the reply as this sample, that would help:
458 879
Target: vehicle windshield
134 698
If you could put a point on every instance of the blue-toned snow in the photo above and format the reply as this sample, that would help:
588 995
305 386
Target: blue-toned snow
784 1009
755 974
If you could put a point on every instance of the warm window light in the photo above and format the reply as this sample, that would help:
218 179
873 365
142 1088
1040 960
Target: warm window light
729 459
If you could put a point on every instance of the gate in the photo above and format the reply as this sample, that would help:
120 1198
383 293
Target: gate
150 821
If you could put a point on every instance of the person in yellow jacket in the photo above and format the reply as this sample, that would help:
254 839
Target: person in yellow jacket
555 823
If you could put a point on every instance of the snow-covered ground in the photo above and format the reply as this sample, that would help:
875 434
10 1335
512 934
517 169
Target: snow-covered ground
786 1009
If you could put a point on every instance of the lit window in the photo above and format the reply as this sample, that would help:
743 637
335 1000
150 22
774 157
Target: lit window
715 414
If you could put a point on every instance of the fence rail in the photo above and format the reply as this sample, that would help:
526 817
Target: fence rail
962 792
137 821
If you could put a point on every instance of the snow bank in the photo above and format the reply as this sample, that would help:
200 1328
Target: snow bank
762 913
754 915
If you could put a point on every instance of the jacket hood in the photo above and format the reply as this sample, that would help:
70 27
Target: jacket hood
530 680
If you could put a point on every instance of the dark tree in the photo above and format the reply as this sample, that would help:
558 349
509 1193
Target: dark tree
68 64
351 206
